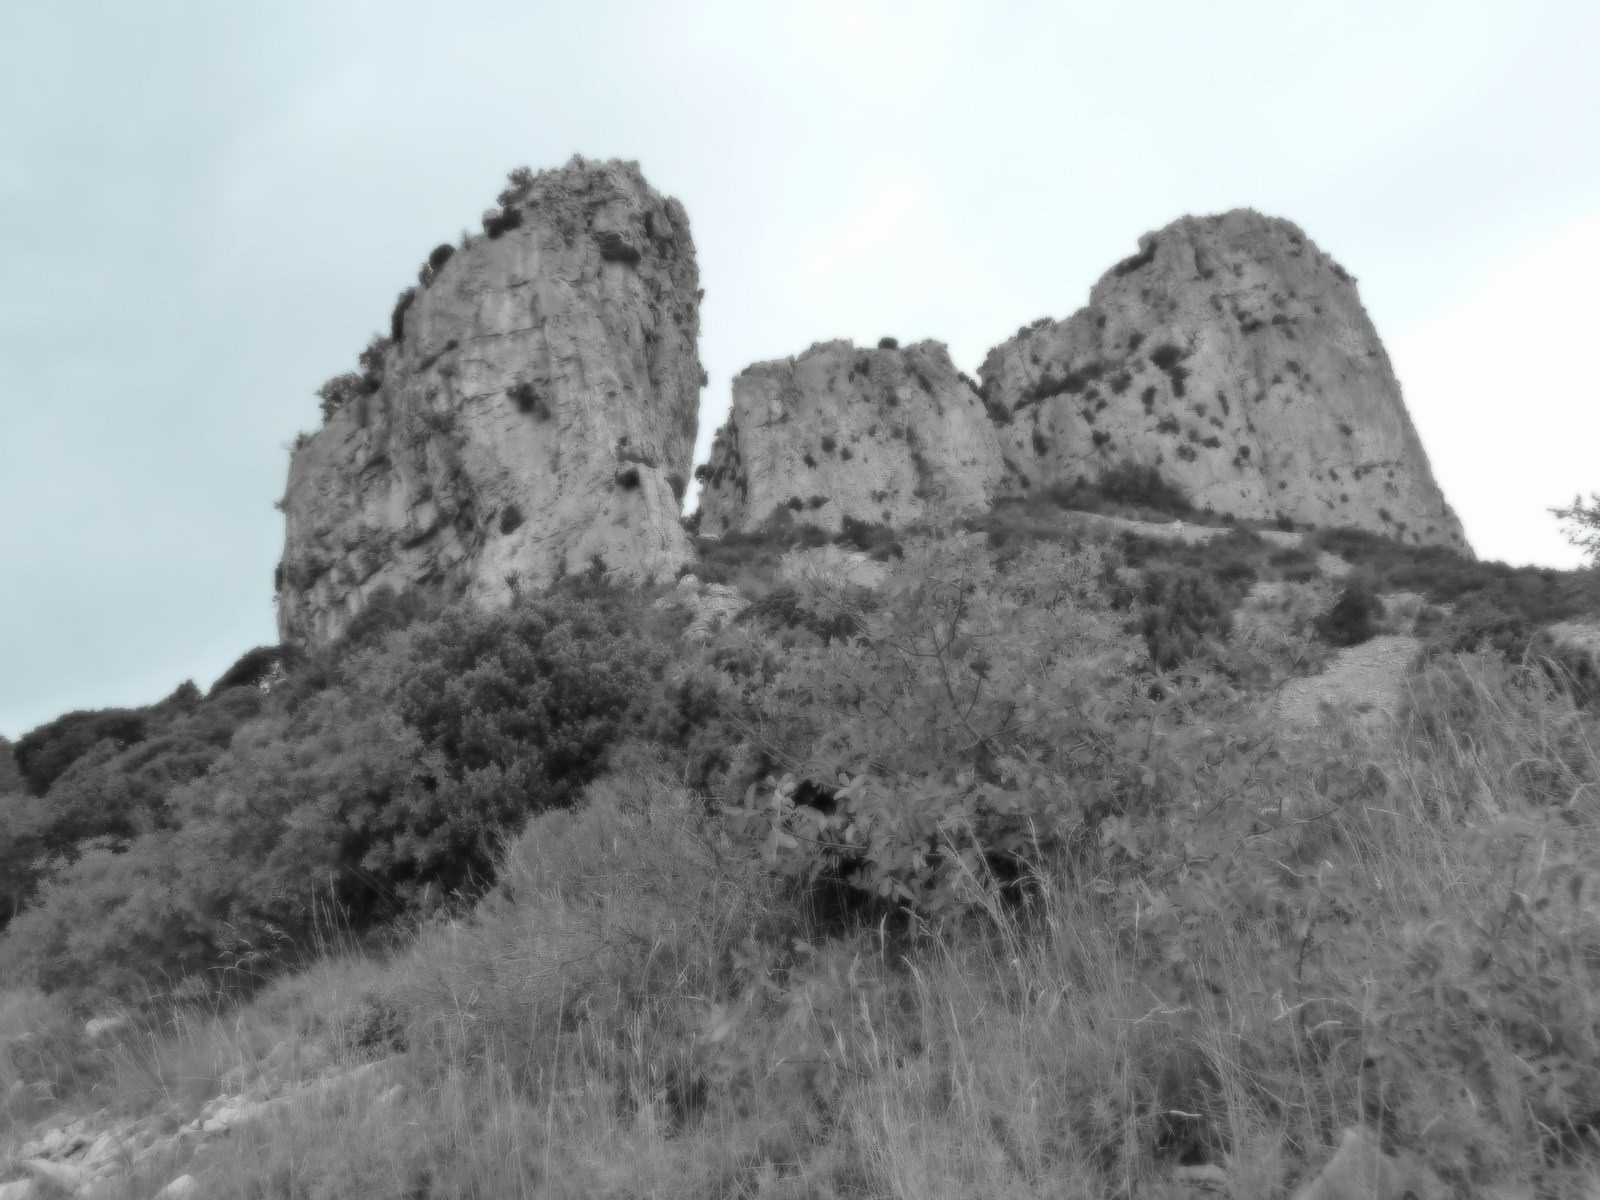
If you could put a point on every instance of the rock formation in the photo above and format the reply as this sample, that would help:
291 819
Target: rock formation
533 411
892 435
1235 357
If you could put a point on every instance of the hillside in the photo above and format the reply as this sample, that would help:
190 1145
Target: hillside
961 803
778 879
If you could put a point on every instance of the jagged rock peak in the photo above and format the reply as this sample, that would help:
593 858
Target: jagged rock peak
1235 357
893 435
532 411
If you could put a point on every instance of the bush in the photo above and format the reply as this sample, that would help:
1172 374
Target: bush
1128 489
933 753
519 182
872 538
339 391
252 667
1355 616
11 781
43 754
397 317
1183 614
498 222
516 712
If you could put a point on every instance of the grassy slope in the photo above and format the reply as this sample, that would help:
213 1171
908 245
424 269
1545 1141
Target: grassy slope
1395 931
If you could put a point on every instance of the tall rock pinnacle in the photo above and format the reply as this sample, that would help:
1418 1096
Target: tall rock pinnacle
1235 357
532 412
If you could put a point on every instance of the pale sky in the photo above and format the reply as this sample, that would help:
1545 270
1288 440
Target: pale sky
207 209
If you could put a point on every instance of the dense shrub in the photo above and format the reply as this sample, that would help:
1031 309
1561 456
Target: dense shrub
952 738
519 183
1132 483
515 713
339 391
255 666
442 253
387 610
11 781
498 222
44 753
785 608
870 537
382 793
1355 616
1582 524
1182 614
397 316
1127 490
720 560
1536 595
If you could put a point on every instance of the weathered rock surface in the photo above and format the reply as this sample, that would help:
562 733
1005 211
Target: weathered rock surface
710 605
1236 357
891 435
534 408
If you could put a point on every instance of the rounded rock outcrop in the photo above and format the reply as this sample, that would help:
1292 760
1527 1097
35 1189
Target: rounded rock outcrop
1235 357
893 435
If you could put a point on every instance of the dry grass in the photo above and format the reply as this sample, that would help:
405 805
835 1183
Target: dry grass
637 1012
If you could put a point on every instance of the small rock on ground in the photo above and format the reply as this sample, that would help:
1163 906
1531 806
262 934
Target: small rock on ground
184 1187
1361 1170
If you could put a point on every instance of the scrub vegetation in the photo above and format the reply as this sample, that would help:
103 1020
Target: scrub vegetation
996 879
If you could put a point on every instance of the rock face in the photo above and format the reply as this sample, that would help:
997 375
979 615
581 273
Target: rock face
1235 357
534 409
892 435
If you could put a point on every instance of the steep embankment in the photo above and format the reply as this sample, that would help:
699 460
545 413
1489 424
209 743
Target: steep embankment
1236 357
533 409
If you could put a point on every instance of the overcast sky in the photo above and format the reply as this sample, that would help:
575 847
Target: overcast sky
207 209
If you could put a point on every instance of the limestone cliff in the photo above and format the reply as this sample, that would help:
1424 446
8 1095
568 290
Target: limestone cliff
1236 357
892 435
534 409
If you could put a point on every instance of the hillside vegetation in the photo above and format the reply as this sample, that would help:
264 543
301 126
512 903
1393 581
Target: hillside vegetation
998 878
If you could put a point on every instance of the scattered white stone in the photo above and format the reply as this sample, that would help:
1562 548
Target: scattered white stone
101 1028
1206 1177
103 1150
184 1187
1361 1170
69 1177
56 1142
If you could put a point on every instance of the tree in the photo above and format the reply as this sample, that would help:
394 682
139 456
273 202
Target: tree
1582 524
973 719
10 775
